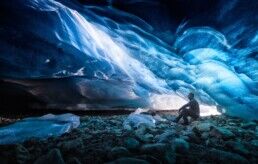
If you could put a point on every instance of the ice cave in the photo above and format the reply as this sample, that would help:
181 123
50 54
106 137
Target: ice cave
106 78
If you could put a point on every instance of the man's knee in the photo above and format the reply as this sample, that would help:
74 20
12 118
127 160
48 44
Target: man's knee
184 112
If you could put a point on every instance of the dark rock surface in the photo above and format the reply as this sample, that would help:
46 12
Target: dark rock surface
53 156
132 144
103 139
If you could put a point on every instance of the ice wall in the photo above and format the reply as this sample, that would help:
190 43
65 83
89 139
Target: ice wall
109 58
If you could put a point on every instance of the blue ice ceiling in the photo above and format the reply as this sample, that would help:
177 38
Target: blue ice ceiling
133 53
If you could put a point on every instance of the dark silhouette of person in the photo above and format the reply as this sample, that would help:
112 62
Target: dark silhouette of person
191 109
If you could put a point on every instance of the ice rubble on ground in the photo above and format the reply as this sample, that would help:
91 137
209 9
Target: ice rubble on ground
137 118
87 42
38 127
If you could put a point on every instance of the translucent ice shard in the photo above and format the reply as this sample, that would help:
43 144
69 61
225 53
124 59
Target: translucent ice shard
38 127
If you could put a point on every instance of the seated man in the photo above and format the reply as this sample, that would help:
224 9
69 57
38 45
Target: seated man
190 109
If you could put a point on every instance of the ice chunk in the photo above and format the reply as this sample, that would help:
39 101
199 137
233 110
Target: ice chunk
135 120
38 127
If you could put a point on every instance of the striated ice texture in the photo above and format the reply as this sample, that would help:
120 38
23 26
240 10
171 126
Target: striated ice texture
38 127
88 57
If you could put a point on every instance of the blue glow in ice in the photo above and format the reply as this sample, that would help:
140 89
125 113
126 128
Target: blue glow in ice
108 58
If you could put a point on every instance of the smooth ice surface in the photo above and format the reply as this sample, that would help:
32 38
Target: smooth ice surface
105 58
38 127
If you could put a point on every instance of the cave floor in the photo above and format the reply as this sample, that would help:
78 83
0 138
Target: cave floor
103 138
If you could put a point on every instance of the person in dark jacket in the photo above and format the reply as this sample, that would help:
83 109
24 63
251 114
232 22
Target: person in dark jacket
191 109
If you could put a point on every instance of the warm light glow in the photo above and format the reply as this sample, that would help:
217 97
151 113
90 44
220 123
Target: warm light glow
174 102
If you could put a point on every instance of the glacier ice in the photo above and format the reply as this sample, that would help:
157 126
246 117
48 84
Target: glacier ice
106 58
38 127
210 38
